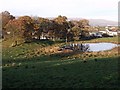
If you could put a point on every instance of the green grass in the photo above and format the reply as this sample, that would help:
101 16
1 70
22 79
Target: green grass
107 39
62 73
56 71
104 39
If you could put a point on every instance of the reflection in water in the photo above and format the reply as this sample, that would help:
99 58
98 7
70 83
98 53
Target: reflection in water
101 46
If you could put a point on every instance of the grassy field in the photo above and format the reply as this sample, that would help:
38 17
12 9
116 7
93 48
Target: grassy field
32 65
105 39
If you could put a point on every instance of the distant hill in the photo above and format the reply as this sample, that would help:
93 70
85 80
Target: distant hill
102 22
98 22
94 22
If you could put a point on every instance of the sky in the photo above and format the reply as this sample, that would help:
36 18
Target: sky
89 9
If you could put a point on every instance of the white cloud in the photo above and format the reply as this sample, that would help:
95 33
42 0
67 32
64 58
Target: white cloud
70 8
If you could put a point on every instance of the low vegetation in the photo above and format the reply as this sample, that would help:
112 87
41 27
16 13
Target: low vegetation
29 65
48 72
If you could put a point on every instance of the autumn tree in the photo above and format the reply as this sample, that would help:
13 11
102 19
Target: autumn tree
37 30
13 32
84 26
62 26
43 27
1 36
27 28
5 18
20 29
76 32
27 25
52 30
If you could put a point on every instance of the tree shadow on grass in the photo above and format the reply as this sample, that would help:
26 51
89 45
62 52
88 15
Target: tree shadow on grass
66 53
43 57
46 41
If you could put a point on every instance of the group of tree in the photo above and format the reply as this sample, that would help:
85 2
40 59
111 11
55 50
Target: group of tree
27 28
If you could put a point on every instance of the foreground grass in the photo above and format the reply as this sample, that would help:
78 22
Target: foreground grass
27 66
62 73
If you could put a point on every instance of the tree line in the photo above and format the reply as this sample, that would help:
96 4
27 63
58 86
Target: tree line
28 28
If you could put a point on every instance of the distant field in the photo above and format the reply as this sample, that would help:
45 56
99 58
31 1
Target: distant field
33 65
104 39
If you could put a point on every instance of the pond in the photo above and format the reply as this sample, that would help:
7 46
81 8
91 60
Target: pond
95 47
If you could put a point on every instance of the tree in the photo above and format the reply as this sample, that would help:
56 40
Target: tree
37 29
13 31
84 26
27 25
83 23
52 30
43 27
5 18
20 29
76 32
62 26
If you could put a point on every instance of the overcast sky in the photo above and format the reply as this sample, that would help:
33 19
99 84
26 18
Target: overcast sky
89 9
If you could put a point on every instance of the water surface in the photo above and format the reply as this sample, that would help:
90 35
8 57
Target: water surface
95 47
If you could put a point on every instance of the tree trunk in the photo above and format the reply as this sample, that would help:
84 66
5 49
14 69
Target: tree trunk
66 39
14 44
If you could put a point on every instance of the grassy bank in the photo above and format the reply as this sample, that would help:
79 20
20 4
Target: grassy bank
104 39
37 65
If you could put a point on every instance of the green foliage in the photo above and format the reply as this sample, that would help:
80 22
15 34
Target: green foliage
76 32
